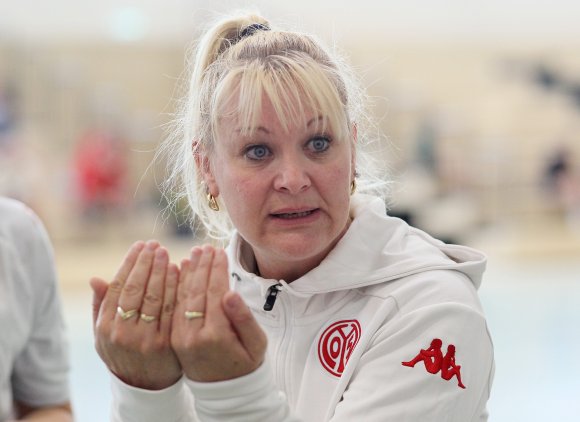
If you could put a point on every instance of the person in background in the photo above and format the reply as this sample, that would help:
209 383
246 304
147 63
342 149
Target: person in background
100 170
320 298
34 363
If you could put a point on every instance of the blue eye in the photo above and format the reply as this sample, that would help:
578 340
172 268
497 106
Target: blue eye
257 152
319 144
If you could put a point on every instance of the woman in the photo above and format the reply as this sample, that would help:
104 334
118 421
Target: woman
322 302
34 366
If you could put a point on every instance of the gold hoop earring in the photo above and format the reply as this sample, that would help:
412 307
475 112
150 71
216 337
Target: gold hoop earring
352 186
212 202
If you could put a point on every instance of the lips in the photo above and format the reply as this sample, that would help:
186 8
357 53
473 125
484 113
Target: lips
293 215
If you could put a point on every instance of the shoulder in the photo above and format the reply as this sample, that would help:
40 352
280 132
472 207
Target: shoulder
17 219
432 288
22 233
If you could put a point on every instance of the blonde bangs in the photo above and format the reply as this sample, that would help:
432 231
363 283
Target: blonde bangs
297 89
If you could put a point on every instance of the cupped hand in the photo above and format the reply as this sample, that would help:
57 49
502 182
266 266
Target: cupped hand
214 333
132 318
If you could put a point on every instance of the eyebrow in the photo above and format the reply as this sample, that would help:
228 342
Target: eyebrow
258 129
318 118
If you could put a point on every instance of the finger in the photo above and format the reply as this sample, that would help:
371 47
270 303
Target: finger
134 288
196 280
99 288
129 261
218 285
153 298
169 299
183 277
247 328
111 299
180 300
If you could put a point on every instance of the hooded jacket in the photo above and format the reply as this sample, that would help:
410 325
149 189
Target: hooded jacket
387 327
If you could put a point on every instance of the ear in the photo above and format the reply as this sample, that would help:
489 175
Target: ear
204 166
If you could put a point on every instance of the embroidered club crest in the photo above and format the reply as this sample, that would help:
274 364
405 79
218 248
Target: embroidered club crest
435 362
336 345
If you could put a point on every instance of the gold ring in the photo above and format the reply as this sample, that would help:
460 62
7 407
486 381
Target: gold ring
193 314
126 315
148 318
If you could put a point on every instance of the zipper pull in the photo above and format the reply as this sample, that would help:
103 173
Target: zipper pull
273 291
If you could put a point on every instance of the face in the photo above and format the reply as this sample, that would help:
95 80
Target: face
286 191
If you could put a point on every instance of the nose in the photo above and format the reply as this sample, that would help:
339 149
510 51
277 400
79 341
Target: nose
291 176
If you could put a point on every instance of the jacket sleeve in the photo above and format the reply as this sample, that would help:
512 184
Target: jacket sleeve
131 404
383 389
253 397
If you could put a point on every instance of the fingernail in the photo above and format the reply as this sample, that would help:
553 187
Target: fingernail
234 301
160 252
196 251
220 256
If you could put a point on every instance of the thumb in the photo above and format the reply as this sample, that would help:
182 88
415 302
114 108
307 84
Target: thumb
100 288
249 332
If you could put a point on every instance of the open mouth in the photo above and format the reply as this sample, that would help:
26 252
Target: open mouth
293 215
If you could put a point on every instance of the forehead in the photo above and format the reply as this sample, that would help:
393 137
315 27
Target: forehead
281 110
247 118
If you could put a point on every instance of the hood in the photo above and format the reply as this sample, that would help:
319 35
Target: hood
376 248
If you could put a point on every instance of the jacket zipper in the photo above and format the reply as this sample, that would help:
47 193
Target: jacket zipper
273 291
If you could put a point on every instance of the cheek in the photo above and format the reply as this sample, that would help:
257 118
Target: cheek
336 186
244 187
243 199
239 191
338 179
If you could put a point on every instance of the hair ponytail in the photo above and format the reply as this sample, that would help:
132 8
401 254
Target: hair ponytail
222 36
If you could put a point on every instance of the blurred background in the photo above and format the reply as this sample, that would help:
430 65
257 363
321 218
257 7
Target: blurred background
479 102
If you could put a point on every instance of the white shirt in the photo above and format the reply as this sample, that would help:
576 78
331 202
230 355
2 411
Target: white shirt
33 350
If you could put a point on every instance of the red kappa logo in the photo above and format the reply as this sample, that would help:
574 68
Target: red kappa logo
435 361
337 344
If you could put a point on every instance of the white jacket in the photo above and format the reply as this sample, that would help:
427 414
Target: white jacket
338 337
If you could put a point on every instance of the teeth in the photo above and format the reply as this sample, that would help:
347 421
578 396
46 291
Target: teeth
294 215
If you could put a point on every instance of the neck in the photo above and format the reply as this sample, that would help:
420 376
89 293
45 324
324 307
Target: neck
271 268
286 270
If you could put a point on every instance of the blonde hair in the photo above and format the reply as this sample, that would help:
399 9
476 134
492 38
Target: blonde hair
243 58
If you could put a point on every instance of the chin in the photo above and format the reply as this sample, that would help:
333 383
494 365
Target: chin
301 248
